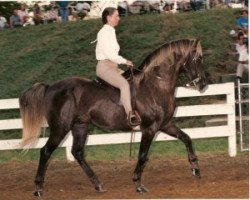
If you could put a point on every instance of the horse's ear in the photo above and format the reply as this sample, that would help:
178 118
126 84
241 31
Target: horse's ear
196 42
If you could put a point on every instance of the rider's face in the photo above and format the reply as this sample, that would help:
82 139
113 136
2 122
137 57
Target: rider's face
113 20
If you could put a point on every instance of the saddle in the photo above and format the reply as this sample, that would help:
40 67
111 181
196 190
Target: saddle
128 75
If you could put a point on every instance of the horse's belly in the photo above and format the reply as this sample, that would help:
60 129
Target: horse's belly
109 117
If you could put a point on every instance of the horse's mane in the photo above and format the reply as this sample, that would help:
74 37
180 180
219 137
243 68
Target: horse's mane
165 53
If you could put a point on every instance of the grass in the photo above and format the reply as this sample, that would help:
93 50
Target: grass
51 52
121 152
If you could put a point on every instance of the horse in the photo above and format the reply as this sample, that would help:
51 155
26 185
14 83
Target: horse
74 103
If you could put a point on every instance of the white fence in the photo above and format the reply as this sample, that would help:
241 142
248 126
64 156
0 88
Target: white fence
227 108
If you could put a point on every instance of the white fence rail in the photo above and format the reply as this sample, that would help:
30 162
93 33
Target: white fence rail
228 130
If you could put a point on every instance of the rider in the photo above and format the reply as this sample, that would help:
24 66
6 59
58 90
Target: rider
107 54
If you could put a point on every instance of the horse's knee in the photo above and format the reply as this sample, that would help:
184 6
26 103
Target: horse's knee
46 152
77 153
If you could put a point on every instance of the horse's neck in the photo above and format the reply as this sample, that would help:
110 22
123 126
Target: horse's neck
157 83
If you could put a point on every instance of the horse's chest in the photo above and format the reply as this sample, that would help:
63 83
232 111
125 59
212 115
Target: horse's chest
169 106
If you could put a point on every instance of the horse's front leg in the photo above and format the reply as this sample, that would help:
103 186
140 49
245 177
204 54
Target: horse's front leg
174 131
146 140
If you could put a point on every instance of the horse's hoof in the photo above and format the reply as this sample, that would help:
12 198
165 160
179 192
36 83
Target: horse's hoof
38 193
142 189
100 189
196 172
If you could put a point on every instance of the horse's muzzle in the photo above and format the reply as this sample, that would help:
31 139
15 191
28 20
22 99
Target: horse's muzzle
197 84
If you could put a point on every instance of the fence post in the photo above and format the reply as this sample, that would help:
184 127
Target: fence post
232 147
69 155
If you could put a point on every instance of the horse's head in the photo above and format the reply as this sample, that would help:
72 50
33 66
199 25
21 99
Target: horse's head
193 67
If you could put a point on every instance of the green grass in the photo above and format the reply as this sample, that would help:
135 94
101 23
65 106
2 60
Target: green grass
51 52
121 152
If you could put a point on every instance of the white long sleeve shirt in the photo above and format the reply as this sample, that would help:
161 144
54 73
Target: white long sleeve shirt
107 46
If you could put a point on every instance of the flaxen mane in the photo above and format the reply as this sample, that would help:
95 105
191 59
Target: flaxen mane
165 54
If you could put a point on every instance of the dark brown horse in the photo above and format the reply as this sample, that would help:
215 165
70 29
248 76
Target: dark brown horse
74 103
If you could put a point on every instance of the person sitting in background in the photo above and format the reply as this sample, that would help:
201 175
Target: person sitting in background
3 22
168 7
52 15
82 9
15 20
38 18
196 4
184 5
242 22
23 14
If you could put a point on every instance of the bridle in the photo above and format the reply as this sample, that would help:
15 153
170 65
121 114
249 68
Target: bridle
193 83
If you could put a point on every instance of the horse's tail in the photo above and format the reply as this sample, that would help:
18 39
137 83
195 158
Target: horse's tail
32 111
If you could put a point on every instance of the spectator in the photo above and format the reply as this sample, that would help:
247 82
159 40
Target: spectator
82 9
63 10
240 45
52 15
196 4
15 20
246 3
242 21
123 8
168 7
23 14
3 22
72 14
243 65
184 5
38 18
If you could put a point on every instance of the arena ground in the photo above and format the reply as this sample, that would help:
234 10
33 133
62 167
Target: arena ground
165 177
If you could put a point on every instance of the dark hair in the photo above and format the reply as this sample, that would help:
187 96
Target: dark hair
107 12
240 34
244 10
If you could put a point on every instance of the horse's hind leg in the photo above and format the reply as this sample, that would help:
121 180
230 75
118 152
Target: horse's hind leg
56 136
80 132
174 131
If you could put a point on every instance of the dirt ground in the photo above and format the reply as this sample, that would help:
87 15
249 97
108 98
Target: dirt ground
165 177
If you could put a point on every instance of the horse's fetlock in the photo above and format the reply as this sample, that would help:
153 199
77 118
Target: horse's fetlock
193 159
136 177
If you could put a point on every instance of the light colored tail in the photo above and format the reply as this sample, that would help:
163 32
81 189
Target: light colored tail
32 112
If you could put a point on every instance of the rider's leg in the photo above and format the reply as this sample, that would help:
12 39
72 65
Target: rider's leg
109 72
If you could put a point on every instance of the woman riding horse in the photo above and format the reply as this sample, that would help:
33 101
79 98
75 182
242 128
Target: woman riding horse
74 103
107 54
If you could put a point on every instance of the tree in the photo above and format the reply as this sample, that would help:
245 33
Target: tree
7 8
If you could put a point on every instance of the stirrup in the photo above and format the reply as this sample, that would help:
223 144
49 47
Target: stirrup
134 118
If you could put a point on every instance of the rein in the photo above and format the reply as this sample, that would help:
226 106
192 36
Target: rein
132 136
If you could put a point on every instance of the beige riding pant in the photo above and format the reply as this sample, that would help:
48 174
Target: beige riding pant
241 68
109 72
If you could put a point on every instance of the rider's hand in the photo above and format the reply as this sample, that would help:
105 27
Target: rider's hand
129 63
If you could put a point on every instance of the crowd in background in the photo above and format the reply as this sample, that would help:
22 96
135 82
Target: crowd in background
59 11
63 11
